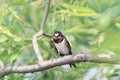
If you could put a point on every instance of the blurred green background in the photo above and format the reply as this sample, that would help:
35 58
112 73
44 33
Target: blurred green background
89 25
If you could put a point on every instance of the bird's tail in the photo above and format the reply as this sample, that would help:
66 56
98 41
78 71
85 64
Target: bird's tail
71 65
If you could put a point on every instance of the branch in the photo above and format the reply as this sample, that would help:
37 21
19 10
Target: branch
46 14
47 35
40 33
80 57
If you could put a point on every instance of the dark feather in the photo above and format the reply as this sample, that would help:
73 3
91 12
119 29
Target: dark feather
68 45
70 52
72 65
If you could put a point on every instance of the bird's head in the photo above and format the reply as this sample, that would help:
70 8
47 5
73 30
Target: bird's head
57 36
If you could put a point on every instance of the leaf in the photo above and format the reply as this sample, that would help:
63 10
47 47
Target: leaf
15 56
107 18
77 8
111 42
3 38
79 29
77 11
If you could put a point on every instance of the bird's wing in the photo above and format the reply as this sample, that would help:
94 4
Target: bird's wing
68 45
53 45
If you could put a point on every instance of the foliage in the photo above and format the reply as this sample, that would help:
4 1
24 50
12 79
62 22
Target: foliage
90 25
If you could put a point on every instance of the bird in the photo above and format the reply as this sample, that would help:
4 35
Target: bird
61 45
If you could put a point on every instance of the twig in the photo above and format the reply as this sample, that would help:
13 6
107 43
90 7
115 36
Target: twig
47 35
80 57
45 16
40 33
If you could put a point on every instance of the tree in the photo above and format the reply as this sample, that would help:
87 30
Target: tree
91 27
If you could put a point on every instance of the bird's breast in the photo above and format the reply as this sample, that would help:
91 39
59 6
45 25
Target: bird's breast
62 47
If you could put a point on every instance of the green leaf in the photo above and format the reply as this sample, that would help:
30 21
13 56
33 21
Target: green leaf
3 38
111 42
77 13
15 56
107 17
77 8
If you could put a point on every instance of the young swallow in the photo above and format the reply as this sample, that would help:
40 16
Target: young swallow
61 45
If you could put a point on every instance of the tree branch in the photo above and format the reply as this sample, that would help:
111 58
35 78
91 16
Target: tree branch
46 14
40 33
80 57
47 35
